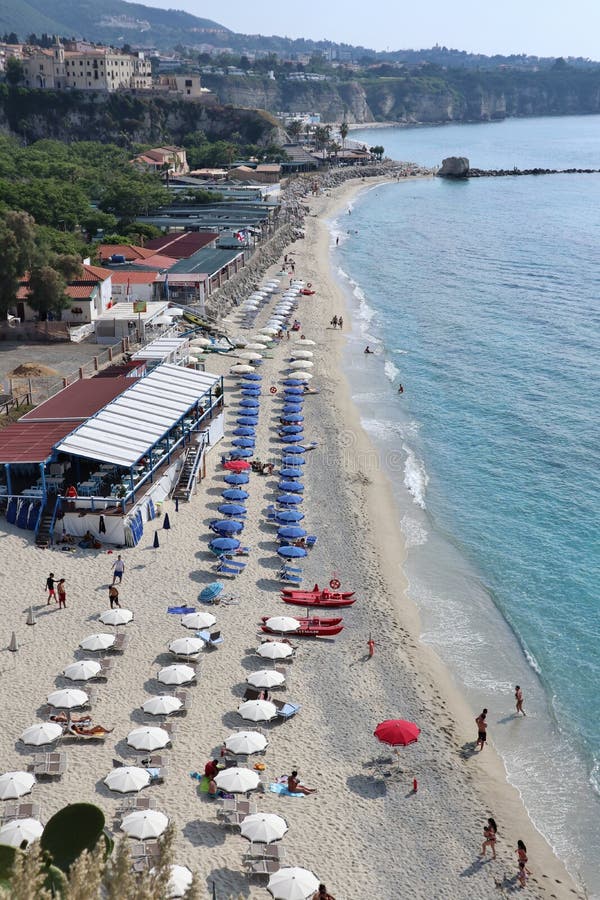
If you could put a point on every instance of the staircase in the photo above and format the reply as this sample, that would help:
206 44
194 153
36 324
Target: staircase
188 476
45 529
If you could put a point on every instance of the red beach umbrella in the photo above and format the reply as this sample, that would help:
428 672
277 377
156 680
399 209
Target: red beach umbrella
236 465
397 732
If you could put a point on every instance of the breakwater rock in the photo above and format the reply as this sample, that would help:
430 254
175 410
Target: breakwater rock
454 167
499 173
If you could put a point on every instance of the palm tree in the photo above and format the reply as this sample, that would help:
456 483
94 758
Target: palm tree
322 137
344 133
294 129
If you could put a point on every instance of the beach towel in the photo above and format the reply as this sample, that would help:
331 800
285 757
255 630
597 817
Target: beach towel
202 780
181 610
276 788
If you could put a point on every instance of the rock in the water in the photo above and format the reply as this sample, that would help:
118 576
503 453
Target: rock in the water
454 167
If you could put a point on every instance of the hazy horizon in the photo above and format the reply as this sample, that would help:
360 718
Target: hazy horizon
538 28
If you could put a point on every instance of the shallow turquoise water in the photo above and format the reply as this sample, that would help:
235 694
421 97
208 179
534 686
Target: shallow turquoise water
481 298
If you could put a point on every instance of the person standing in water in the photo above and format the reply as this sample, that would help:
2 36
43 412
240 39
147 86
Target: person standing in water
519 701
481 723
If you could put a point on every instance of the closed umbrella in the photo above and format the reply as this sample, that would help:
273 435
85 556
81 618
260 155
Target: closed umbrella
176 674
68 698
235 494
291 532
263 828
290 472
236 478
285 516
144 823
236 780
126 779
198 620
14 833
15 784
292 552
283 623
227 526
293 883
294 487
116 616
289 499
162 705
42 733
266 678
274 650
149 738
186 646
258 710
244 442
82 670
241 369
244 431
96 642
232 509
246 742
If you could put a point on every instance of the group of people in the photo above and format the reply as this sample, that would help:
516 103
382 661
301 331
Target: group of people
481 720
337 322
490 836
56 588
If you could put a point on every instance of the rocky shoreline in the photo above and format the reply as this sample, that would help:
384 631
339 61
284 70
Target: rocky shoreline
499 173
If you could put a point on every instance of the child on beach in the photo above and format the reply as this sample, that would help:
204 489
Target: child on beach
489 834
523 872
62 594
50 588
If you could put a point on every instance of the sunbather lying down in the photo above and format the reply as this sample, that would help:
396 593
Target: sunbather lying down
90 729
63 719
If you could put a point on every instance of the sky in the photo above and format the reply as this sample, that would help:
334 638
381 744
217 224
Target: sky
538 27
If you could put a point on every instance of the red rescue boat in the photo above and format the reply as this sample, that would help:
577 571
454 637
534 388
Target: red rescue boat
317 593
310 630
325 600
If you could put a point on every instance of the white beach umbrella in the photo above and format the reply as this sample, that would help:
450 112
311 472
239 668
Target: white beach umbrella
148 737
305 342
246 742
68 698
200 342
42 733
82 670
254 345
127 778
237 781
14 833
162 705
268 329
266 678
241 370
119 616
302 364
177 674
100 641
144 823
302 354
301 375
262 339
257 710
251 355
180 879
297 282
293 883
186 646
263 828
283 623
15 784
198 620
275 650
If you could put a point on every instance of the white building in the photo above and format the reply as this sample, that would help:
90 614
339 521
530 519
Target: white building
96 69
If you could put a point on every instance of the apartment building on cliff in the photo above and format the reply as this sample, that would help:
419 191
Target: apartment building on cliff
85 68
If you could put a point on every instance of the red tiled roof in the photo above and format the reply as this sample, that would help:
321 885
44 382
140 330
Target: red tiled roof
133 277
183 245
129 251
80 291
96 272
78 401
157 261
32 442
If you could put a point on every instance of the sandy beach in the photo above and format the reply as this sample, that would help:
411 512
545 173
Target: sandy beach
361 834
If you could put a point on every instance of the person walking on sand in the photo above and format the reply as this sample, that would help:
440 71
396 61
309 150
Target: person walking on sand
519 701
523 872
340 322
62 594
294 786
50 587
113 596
481 723
489 837
118 569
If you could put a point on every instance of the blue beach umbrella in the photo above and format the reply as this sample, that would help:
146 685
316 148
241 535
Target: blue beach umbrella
232 509
291 408
292 460
294 391
292 552
241 454
245 442
291 532
291 438
244 431
291 429
291 472
211 591
292 419
235 494
289 499
251 392
224 544
227 526
292 382
252 376
296 451
291 487
285 516
247 420
249 403
288 397
236 478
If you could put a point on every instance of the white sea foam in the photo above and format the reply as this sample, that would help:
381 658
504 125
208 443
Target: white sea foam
391 371
416 478
415 535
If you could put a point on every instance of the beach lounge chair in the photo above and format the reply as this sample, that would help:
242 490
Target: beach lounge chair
252 694
226 568
131 804
170 727
290 578
285 710
189 660
154 761
15 810
49 765
262 867
311 540
120 645
211 639
264 851
186 701
295 570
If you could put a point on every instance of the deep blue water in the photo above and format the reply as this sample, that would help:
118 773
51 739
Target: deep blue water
483 299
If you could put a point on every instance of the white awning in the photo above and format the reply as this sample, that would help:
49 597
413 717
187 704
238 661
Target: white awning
125 430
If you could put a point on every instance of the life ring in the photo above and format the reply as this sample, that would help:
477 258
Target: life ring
273 390
309 285
334 584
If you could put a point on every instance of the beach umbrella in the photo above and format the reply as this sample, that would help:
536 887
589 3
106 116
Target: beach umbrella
301 364
246 742
96 642
16 784
256 345
250 403
302 354
294 487
42 733
291 409
291 438
252 376
200 342
236 780
290 472
254 392
297 460
198 620
68 698
144 823
274 650
292 552
269 329
263 828
14 833
211 591
251 355
293 883
120 616
162 705
186 646
82 670
244 431
292 418
292 429
149 738
258 710
244 442
301 376
397 732
232 509
236 465
283 623
305 342
289 515
266 678
156 542
235 493
176 674
291 382
247 421
224 544
236 478
180 879
240 453
127 778
289 499
293 391
241 370
227 526
291 532
294 451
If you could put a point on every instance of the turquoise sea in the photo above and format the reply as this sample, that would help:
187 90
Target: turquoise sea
482 298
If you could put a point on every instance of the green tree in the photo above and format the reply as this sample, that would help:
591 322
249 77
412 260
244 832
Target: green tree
344 133
294 129
322 137
128 197
47 292
19 252
14 71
